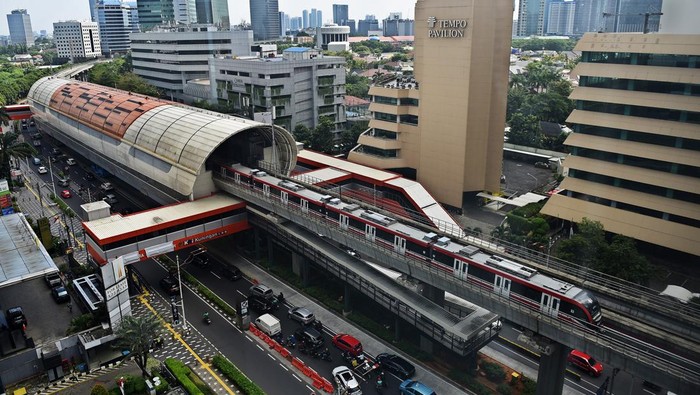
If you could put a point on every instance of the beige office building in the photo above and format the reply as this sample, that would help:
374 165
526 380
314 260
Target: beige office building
445 128
635 160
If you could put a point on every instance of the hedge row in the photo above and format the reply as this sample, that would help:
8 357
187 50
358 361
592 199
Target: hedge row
182 373
209 294
241 381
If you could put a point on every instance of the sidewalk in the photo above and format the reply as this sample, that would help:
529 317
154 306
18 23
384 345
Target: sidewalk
29 203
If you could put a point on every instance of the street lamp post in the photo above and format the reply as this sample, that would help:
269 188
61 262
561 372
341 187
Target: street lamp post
182 301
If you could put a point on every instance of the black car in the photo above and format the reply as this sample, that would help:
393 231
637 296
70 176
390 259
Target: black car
15 317
309 337
396 365
259 304
89 176
60 294
232 273
170 286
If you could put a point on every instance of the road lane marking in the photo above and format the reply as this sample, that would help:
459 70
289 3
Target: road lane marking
296 377
258 346
284 367
214 274
271 357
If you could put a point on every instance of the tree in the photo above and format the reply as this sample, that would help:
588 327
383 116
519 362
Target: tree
99 389
133 83
4 117
302 134
525 130
10 147
322 135
136 334
622 260
583 248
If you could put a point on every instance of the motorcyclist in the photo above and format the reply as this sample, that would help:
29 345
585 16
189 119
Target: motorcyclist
205 316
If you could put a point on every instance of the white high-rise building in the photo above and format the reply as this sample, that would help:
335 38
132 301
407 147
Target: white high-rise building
76 39
116 20
185 11
20 28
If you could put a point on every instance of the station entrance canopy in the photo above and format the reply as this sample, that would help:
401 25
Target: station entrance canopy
154 232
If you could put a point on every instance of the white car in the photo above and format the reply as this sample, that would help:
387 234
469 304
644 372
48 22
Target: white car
346 380
71 162
42 170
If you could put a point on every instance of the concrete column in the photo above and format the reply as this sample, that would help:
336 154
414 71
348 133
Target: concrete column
270 253
434 294
550 378
347 307
397 328
256 240
300 267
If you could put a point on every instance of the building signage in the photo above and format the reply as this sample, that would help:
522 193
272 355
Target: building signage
116 289
446 28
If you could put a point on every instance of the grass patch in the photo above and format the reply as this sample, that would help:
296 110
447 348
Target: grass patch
187 378
231 371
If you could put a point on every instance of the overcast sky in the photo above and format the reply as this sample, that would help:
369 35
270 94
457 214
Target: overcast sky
45 12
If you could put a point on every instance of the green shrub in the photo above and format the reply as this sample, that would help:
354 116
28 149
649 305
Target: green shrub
134 385
241 381
504 389
182 374
99 389
469 381
529 386
494 372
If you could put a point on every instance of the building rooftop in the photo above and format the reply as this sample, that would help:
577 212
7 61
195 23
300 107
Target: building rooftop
23 255
296 49
120 226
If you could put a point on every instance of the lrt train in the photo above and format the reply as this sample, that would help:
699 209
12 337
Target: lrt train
509 279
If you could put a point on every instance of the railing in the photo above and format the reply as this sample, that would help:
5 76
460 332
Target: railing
623 346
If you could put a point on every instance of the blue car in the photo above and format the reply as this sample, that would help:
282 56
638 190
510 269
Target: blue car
411 387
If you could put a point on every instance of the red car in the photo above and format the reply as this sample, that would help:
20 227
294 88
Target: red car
347 343
585 362
65 194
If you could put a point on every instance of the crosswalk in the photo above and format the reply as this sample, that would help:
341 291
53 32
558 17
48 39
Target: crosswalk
69 381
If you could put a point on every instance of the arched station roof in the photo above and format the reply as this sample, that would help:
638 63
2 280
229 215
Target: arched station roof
183 137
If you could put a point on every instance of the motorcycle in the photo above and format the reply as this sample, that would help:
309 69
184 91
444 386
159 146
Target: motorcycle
325 355
206 318
291 341
379 385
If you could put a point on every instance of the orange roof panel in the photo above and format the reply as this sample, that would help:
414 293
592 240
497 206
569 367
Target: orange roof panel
108 110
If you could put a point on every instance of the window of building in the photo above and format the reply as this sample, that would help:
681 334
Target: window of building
407 101
385 100
409 119
383 134
382 116
388 153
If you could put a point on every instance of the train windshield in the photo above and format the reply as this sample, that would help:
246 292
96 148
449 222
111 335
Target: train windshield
591 304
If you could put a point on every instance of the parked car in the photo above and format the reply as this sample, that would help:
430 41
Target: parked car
111 199
347 343
542 165
36 136
106 186
260 304
396 365
42 170
310 337
301 315
36 161
60 294
170 286
15 317
65 194
53 280
585 362
412 387
71 162
346 380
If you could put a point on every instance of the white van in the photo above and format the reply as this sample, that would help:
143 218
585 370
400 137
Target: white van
269 324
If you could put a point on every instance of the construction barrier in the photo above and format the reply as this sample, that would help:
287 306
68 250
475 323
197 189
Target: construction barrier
327 385
318 384
306 370
285 353
278 347
298 363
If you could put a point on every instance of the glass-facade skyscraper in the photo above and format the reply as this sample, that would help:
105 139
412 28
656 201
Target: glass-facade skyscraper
340 14
213 12
20 28
264 16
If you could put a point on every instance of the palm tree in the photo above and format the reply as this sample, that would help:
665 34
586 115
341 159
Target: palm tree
137 335
4 117
10 147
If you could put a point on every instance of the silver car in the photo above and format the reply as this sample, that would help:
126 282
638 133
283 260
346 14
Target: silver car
302 315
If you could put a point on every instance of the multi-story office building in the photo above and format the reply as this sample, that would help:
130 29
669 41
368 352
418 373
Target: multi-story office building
185 11
305 19
561 18
20 25
77 40
531 15
445 128
340 14
116 20
352 25
285 23
264 16
331 34
295 23
155 12
303 85
168 57
367 25
616 15
635 151
213 12
396 26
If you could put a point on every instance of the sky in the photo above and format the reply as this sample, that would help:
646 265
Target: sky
44 13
